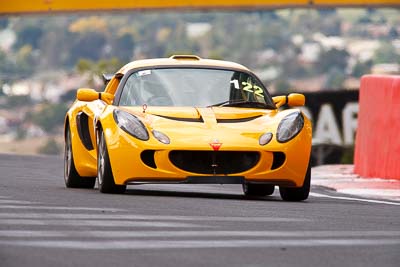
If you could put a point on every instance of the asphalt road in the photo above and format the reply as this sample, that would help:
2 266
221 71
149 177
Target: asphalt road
44 224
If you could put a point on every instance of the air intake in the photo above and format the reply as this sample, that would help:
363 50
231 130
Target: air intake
210 162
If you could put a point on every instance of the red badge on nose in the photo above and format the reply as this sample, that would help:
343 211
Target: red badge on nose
215 145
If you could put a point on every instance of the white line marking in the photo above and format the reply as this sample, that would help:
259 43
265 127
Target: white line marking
97 223
371 192
27 233
146 234
162 244
22 222
356 199
146 217
10 201
57 208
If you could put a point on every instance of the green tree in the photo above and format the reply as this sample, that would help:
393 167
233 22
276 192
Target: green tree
282 86
21 133
108 65
24 61
97 69
335 79
68 96
49 117
386 53
84 65
333 58
51 147
29 35
14 101
7 67
123 47
393 33
3 23
361 68
89 45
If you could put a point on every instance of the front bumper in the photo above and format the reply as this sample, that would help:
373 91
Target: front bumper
129 166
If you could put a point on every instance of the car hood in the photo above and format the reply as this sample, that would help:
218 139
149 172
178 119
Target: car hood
236 126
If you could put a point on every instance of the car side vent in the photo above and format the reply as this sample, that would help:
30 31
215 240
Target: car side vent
185 57
82 123
279 159
147 157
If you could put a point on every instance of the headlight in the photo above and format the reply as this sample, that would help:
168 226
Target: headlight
265 139
131 124
163 138
289 127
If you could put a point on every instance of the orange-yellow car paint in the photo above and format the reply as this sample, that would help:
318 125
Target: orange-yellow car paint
124 149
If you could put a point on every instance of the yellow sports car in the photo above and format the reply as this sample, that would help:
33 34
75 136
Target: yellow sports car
185 119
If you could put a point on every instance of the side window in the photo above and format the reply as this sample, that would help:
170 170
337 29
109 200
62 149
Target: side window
128 97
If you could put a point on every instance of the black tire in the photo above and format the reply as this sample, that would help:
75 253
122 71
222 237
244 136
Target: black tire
104 173
258 190
71 177
297 193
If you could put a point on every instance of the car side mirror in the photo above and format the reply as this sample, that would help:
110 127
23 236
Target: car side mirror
86 94
296 100
293 100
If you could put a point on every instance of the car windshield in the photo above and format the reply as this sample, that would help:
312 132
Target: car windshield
196 87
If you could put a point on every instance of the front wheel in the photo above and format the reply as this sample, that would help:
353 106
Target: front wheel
104 172
71 177
297 193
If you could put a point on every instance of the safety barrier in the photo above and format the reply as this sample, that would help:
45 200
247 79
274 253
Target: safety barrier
377 149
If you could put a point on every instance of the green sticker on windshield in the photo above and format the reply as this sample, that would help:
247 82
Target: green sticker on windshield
258 91
255 89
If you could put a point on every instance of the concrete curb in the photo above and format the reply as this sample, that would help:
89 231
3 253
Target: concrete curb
342 179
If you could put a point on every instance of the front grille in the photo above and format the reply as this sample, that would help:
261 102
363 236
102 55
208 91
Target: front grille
214 162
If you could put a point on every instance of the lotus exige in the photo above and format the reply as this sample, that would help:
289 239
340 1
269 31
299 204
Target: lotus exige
185 119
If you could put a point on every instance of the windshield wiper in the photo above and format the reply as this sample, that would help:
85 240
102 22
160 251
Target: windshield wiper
242 103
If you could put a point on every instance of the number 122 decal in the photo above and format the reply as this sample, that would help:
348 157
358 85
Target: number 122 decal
249 87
